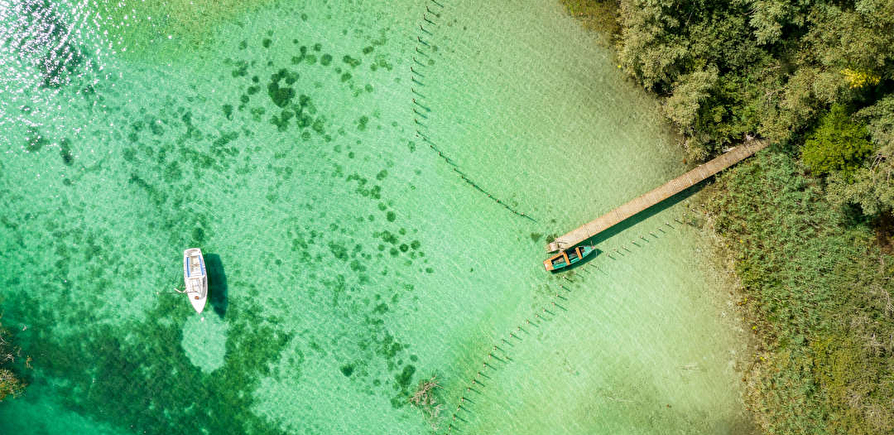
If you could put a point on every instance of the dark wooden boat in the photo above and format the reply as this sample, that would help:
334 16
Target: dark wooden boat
568 257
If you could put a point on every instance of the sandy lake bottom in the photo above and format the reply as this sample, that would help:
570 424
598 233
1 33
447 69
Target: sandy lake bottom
366 226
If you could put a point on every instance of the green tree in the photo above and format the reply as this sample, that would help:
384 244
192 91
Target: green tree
880 117
839 144
689 92
779 63
872 185
770 17
652 46
817 288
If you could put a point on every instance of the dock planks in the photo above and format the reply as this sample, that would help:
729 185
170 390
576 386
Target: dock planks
657 195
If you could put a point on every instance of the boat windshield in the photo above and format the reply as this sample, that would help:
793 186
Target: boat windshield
195 267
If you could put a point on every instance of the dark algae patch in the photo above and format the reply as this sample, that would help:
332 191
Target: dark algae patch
65 152
281 95
347 370
369 354
153 359
404 378
35 141
58 58
351 61
178 167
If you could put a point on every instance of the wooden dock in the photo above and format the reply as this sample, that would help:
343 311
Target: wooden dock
643 202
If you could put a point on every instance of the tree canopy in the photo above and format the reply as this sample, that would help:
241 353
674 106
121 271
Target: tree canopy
817 78
838 144
800 72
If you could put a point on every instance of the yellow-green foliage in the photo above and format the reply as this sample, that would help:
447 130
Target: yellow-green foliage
858 79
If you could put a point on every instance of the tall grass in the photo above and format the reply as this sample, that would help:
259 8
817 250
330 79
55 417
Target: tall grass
817 293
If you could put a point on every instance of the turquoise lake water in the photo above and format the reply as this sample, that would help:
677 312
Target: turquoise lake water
373 185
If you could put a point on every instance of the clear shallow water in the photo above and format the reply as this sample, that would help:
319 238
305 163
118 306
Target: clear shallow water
359 241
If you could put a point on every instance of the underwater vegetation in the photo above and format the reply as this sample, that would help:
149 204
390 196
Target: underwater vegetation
155 361
11 384
139 376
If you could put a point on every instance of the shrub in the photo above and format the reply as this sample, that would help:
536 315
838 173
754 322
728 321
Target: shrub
839 144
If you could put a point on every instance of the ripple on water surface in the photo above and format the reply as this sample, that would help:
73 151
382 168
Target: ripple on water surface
369 225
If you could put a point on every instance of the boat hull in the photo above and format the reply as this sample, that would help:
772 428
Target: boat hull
569 257
196 278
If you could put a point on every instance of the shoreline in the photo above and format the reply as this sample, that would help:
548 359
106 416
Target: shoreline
361 263
806 243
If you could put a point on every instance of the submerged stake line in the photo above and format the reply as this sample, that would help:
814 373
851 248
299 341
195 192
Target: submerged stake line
449 161
422 113
413 78
505 359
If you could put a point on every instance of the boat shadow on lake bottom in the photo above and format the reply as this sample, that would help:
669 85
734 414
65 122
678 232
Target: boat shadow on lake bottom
217 284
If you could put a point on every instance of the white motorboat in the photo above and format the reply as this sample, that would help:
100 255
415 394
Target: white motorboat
195 277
